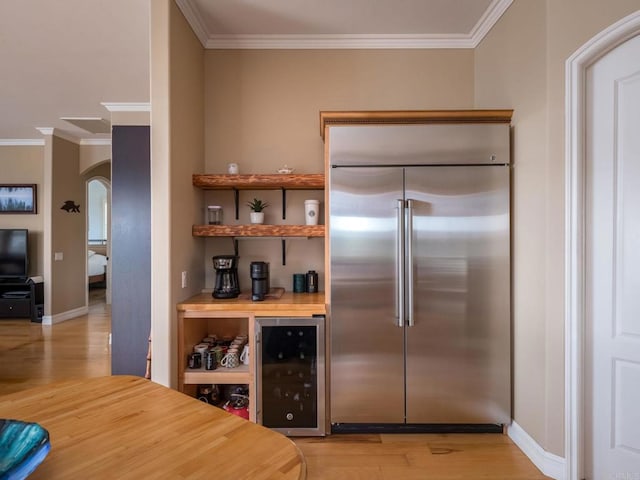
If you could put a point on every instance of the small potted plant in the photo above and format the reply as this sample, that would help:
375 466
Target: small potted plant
257 206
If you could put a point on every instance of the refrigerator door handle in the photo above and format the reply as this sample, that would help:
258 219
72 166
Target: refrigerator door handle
409 267
400 264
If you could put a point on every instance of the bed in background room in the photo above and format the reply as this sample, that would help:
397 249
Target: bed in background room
97 265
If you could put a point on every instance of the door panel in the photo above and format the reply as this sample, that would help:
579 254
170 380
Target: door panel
367 358
612 234
458 349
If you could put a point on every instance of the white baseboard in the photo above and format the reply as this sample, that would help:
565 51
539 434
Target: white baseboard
551 465
61 317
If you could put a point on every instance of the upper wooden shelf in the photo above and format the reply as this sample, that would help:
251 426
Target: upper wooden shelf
306 181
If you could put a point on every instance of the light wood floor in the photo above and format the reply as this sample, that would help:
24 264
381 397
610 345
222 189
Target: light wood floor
32 354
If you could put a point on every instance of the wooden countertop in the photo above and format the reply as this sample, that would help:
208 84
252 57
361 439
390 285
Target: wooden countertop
289 304
130 428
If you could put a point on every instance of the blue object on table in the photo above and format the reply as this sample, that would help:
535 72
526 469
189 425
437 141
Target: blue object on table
23 446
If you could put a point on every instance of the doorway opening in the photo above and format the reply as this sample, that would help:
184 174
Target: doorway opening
98 245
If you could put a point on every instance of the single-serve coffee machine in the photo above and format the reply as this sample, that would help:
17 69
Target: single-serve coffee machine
259 280
226 276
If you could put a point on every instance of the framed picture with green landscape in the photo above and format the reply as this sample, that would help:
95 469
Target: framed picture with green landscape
17 198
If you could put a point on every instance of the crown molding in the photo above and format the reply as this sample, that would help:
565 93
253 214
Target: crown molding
21 142
345 41
330 42
39 142
95 141
127 107
192 14
59 133
488 20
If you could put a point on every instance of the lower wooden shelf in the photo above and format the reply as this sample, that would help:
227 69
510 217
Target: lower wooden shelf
221 375
258 230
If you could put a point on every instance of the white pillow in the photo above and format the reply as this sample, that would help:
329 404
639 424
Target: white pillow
91 252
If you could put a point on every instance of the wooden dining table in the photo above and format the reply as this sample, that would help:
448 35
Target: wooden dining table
129 427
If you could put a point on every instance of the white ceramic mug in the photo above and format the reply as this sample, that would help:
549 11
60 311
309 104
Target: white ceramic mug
244 357
233 168
201 348
311 211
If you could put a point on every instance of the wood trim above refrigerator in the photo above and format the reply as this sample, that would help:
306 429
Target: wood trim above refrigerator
391 117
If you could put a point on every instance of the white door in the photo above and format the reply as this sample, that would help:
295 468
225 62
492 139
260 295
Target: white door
612 288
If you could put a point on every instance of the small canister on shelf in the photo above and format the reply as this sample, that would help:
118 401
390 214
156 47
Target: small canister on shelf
214 215
299 283
312 281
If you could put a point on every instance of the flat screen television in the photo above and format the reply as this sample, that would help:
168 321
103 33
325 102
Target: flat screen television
14 253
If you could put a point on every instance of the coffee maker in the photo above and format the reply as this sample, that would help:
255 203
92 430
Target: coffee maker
226 276
259 280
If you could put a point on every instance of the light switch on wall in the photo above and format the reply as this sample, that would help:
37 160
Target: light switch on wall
58 256
184 279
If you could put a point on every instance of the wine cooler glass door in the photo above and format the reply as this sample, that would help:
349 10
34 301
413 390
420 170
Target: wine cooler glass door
291 375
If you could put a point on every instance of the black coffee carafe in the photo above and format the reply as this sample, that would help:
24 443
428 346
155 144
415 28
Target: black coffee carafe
259 280
226 276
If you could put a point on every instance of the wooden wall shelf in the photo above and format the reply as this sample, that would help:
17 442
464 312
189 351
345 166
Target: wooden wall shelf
258 230
307 181
283 182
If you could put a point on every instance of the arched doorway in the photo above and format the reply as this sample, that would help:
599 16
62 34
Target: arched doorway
594 219
98 232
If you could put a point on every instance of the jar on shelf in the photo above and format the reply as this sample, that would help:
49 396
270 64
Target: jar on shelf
214 215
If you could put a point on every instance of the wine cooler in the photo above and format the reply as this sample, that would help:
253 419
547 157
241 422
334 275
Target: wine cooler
290 374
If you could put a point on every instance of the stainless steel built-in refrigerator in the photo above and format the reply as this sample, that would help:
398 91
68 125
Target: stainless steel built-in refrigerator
420 277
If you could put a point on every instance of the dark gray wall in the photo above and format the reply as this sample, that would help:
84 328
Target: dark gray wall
130 249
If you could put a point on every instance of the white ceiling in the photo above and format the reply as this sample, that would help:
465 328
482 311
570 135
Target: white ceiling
66 58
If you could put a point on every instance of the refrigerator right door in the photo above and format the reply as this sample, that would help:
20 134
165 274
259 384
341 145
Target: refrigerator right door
458 363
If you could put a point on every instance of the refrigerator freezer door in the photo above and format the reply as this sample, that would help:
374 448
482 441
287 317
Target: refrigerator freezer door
458 350
367 357
483 143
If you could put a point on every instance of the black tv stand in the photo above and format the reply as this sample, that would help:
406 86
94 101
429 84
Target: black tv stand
21 297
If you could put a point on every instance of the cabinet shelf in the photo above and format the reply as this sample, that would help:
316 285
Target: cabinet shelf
258 231
193 326
307 181
221 375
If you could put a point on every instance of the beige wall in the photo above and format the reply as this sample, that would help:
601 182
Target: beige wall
65 281
262 111
68 281
92 155
100 170
177 146
23 164
521 64
511 72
